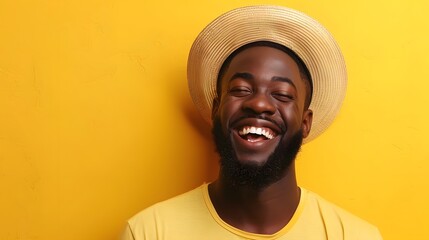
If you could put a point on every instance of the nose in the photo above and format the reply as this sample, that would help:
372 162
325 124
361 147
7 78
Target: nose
259 103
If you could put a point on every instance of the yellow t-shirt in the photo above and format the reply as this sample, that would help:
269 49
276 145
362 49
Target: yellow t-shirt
192 216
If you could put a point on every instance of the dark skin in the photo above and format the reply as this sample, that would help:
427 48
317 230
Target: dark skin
266 82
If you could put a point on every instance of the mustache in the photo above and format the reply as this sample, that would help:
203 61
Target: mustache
281 126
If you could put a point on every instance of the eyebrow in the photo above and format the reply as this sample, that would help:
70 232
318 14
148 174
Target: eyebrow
249 76
244 75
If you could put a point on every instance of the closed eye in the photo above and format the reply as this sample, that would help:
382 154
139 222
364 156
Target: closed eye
239 91
283 97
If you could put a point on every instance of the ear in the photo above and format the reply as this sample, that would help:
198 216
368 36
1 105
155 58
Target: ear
215 106
307 120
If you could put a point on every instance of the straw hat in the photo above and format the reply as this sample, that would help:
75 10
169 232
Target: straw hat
288 27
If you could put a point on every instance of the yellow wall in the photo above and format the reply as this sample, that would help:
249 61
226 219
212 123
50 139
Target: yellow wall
96 122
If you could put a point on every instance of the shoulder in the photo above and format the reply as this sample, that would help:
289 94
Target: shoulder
175 206
151 221
338 221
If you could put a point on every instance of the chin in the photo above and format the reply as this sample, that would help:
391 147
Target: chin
252 161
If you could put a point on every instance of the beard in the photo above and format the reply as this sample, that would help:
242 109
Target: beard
239 174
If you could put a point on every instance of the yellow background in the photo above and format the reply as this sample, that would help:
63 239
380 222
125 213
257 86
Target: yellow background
96 122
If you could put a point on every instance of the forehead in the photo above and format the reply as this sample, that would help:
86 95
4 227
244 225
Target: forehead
263 62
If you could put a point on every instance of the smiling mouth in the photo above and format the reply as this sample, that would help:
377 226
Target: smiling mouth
256 134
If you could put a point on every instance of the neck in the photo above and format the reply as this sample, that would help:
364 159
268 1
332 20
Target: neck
265 210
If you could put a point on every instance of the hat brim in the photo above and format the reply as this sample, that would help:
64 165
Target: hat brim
288 27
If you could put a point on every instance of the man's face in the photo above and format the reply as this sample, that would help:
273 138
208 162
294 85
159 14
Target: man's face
261 106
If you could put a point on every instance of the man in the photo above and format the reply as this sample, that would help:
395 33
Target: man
268 78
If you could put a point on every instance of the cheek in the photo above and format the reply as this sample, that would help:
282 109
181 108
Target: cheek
228 106
227 110
292 116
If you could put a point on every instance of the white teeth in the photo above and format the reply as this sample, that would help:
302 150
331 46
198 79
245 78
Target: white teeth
256 130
